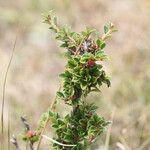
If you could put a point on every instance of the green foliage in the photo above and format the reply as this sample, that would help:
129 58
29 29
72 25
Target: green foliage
79 126
83 74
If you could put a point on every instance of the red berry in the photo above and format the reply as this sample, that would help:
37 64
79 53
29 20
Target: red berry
90 63
95 46
31 133
73 97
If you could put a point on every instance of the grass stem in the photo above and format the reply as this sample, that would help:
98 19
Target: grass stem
3 97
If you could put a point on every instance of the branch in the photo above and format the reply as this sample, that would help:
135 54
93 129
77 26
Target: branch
56 142
15 142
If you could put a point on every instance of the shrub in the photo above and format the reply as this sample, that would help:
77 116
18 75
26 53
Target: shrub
83 74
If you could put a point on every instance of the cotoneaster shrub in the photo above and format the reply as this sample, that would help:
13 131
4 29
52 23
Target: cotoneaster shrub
82 75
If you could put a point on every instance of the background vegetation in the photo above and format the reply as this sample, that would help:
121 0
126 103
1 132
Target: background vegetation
33 77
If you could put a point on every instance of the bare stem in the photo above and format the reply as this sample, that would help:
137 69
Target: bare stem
15 142
31 146
52 107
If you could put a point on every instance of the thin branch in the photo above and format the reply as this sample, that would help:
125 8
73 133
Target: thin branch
109 131
43 130
105 36
78 48
27 126
15 142
52 107
56 142
25 123
31 145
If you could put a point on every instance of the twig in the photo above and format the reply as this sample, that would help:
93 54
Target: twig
15 142
54 141
109 131
27 126
25 123
52 107
78 48
43 130
110 31
31 145
104 37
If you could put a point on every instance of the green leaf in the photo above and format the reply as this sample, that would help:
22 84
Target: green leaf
106 29
68 138
55 126
103 44
107 81
80 147
72 63
55 20
66 74
51 114
100 43
100 55
60 94
88 32
60 122
85 57
64 45
62 75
